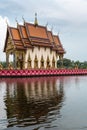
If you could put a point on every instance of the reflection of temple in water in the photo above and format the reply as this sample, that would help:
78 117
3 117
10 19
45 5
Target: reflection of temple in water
33 101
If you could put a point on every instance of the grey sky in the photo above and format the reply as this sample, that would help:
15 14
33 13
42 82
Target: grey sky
67 17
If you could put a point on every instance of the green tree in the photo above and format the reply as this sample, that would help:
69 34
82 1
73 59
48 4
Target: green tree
3 64
66 63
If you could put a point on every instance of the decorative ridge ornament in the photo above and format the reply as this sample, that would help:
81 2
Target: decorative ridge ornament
16 21
23 19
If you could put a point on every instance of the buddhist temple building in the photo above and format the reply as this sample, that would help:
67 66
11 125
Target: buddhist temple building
32 46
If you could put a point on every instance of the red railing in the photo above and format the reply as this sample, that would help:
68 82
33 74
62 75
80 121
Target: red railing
42 72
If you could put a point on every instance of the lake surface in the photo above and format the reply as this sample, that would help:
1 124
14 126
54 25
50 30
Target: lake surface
46 103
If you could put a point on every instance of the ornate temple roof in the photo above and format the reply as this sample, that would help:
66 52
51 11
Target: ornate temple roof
30 35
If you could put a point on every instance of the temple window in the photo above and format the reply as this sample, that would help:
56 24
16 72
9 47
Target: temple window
20 61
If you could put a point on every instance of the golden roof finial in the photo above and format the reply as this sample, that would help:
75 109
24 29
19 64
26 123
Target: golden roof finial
36 22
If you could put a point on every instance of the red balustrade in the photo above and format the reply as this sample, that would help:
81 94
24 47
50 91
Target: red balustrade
42 72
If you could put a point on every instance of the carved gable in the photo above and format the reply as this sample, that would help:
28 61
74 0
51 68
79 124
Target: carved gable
10 45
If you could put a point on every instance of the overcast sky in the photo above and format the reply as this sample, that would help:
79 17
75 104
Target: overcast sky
68 18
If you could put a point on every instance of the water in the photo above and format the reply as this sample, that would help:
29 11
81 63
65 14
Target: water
46 103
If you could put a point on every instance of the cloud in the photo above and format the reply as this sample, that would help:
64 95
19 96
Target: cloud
68 17
75 10
3 27
71 11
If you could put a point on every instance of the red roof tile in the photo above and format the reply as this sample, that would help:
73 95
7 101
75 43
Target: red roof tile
50 36
15 34
56 40
23 31
29 35
37 31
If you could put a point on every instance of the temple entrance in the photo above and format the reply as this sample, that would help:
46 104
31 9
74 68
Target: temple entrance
15 59
19 61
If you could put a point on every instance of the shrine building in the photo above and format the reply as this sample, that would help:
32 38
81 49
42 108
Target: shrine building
32 46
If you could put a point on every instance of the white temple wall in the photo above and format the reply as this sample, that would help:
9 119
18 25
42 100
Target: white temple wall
39 52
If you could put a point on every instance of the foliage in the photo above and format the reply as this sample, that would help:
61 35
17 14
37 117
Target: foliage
67 63
3 64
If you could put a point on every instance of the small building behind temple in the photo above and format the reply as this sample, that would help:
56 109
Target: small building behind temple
32 46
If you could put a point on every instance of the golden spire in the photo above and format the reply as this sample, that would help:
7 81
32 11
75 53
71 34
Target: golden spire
36 22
